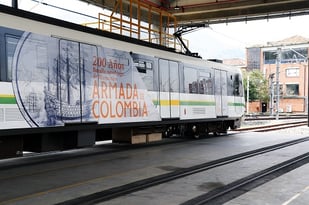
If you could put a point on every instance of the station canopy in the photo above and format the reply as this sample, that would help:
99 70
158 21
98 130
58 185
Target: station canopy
211 11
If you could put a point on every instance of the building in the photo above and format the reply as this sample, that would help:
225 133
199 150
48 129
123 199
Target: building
292 53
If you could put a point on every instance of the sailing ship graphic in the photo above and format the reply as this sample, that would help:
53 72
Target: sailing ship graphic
65 96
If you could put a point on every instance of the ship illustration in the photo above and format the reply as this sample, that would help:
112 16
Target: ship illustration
64 97
62 110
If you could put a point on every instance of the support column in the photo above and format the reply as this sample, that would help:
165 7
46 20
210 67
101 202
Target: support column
277 82
15 4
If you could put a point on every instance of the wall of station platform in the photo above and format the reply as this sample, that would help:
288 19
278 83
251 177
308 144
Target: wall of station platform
285 106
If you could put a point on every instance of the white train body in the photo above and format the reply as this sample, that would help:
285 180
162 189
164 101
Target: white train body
55 73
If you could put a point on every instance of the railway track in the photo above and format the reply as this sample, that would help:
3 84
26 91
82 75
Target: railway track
281 117
160 179
273 127
224 194
58 156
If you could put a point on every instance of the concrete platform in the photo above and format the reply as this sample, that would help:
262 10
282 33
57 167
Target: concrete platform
289 189
57 179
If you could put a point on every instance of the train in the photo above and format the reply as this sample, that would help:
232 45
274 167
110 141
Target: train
65 86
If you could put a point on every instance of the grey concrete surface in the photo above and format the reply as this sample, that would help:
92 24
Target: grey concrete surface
54 182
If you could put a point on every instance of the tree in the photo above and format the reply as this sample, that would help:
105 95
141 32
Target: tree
258 86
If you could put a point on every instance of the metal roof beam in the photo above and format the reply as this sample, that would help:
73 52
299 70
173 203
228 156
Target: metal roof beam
208 15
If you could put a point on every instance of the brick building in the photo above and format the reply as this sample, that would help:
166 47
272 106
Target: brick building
293 72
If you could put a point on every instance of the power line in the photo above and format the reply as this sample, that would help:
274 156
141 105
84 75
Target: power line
64 9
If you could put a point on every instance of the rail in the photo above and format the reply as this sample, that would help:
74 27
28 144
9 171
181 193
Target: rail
273 127
115 192
223 194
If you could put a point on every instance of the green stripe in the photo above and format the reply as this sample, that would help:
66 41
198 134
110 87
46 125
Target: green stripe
236 104
201 103
198 103
7 100
155 102
191 103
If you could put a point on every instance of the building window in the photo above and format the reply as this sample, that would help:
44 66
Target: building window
291 55
270 57
292 89
292 72
253 58
294 55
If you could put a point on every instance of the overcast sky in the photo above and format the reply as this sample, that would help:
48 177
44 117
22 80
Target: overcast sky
230 40
220 41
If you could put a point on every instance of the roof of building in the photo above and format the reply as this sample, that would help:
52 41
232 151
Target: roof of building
290 41
293 40
235 62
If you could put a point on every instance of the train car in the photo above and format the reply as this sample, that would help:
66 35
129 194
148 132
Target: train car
65 86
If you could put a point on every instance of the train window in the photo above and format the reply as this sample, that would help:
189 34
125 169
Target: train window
174 77
241 87
218 82
145 68
142 66
237 85
230 84
164 76
190 76
10 46
205 83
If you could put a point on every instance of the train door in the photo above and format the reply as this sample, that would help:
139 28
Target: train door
169 89
221 93
69 90
87 56
74 71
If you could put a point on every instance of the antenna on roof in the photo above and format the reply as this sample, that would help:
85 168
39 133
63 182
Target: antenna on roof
187 29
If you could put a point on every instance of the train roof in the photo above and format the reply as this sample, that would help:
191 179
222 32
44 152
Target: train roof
63 29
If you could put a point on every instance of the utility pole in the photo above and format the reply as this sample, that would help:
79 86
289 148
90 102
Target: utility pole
277 82
271 105
248 81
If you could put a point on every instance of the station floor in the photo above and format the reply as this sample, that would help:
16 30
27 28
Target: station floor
60 180
290 189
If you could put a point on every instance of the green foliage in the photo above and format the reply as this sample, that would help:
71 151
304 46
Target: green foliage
258 86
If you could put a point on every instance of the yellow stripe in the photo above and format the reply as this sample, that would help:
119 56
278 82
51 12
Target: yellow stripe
7 96
168 102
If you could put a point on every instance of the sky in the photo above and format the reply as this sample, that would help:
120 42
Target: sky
224 41
219 41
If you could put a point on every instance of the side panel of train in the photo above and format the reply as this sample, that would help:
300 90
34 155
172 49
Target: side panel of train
49 81
57 81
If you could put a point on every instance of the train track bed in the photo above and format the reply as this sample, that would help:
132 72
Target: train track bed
271 125
87 179
200 171
254 117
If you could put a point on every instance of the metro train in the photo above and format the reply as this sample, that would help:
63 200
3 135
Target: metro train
60 79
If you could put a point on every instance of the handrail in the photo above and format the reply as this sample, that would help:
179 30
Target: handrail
135 28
